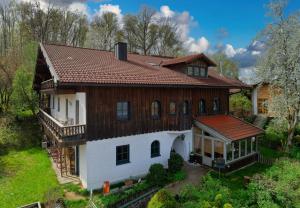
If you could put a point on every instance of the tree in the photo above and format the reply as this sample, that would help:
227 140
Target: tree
141 30
53 25
240 104
280 65
105 31
167 42
225 66
23 96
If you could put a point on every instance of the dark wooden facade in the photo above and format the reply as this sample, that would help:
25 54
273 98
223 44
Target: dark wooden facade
101 103
101 107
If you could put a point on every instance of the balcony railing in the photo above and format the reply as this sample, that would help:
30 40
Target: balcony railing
63 133
48 84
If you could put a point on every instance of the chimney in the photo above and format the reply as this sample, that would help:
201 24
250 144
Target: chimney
121 51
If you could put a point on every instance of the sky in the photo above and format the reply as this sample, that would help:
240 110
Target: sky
204 25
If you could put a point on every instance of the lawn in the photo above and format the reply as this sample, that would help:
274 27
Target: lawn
234 181
25 177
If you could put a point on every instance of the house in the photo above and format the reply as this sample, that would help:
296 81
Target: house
107 116
261 99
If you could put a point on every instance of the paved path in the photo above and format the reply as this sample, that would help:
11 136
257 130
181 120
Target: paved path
194 174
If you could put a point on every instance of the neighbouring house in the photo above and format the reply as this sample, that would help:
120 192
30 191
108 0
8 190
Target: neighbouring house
107 116
261 99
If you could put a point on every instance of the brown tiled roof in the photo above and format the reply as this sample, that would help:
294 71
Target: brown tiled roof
88 66
230 127
188 59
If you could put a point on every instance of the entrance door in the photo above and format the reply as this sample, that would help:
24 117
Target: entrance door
207 157
77 112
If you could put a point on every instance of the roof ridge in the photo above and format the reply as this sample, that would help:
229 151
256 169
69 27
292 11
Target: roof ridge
96 49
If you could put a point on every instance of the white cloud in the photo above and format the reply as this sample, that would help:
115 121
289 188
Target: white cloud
255 53
184 22
110 8
196 46
230 51
79 7
166 11
43 4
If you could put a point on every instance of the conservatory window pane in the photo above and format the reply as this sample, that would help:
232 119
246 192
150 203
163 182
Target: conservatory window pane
219 149
236 149
243 148
253 140
197 144
248 146
229 152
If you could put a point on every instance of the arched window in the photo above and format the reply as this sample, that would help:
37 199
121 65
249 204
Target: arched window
155 109
185 107
172 108
155 149
202 106
216 105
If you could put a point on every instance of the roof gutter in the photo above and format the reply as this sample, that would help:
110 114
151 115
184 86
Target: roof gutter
87 84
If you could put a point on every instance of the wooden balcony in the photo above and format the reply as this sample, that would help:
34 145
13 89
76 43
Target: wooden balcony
63 135
47 85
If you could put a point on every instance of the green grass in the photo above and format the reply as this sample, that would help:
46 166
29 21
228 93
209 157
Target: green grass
234 181
25 177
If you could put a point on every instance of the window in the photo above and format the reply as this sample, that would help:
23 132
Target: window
122 153
218 149
58 104
202 107
53 102
236 149
248 146
190 71
155 149
155 109
216 105
172 108
229 151
243 147
262 105
122 110
203 72
196 71
185 108
253 140
197 143
67 109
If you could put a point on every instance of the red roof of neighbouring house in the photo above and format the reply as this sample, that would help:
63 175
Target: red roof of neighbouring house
230 127
74 65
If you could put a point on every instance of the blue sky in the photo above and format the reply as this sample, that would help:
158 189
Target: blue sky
242 19
199 23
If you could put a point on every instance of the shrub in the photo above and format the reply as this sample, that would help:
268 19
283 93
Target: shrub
275 134
157 175
175 163
295 152
162 199
178 176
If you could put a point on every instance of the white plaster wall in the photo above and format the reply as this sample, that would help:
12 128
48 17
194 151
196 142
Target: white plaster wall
83 165
254 101
101 156
61 115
